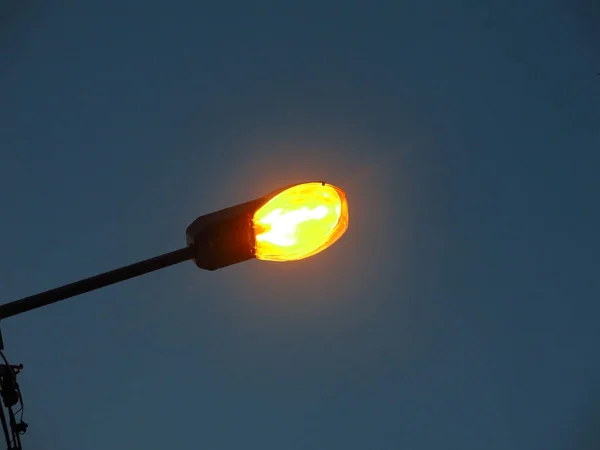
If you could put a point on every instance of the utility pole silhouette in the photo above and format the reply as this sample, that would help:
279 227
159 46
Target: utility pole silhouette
11 397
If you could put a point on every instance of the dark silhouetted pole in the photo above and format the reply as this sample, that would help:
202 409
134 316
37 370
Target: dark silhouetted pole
95 282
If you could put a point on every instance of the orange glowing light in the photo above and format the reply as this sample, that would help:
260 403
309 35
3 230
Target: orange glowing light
300 221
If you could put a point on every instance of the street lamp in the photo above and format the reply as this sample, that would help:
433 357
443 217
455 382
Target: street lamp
288 224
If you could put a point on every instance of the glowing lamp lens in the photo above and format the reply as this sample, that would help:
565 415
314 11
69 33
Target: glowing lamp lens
299 222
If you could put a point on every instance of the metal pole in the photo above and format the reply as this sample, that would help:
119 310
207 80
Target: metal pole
5 428
95 282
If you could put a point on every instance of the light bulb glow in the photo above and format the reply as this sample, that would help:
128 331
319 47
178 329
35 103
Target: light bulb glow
299 222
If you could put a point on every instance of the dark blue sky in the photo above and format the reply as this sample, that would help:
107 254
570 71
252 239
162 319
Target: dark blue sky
460 310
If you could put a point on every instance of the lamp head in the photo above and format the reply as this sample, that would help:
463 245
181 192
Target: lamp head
288 224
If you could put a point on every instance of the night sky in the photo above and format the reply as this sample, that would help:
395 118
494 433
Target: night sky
459 311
